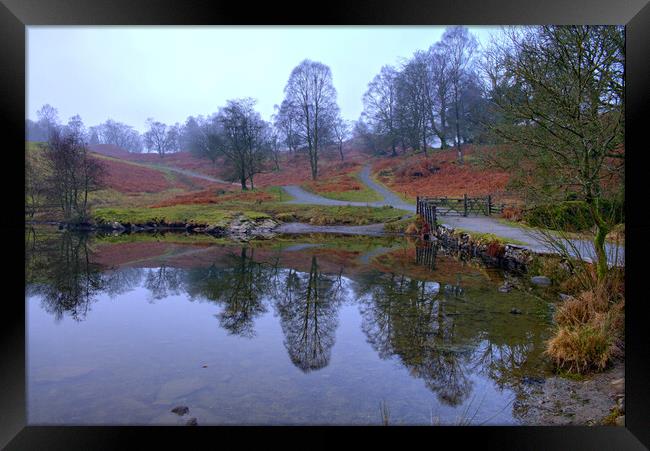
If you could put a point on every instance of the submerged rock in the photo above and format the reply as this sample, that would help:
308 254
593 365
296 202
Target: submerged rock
515 311
541 280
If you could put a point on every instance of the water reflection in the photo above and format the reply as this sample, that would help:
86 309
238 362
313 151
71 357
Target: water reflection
67 280
442 328
407 318
308 310
238 283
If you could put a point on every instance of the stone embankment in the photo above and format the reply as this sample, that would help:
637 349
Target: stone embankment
506 256
240 227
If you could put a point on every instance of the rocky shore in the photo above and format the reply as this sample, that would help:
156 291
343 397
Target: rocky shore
596 400
239 228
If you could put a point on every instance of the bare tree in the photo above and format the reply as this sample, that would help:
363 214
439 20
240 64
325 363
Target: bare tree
459 47
116 133
566 115
285 121
73 174
413 101
160 137
380 105
342 130
241 138
48 118
311 91
438 71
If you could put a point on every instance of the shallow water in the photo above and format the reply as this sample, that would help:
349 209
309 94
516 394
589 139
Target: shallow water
301 330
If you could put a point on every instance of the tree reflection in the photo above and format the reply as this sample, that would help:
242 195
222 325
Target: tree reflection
405 317
70 281
308 311
239 286
163 282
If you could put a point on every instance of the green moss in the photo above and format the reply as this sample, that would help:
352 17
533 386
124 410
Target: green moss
490 237
194 214
222 213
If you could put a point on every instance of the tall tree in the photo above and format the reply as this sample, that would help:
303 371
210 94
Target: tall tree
459 48
311 91
48 118
73 174
413 99
241 138
566 115
380 105
285 121
341 129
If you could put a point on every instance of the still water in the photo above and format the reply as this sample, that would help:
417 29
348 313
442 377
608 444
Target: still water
297 330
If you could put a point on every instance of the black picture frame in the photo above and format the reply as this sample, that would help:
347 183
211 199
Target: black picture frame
15 15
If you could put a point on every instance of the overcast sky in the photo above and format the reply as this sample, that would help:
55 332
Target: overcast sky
168 73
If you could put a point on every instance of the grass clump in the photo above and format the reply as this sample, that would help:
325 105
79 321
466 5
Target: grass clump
589 329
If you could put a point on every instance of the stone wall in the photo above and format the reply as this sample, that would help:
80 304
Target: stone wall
508 256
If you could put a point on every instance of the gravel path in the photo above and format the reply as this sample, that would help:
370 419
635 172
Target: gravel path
481 224
301 196
189 173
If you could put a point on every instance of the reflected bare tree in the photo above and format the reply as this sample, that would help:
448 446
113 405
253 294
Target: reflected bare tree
406 318
69 281
122 280
163 282
308 311
240 287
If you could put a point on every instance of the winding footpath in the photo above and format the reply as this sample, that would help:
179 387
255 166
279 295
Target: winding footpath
480 224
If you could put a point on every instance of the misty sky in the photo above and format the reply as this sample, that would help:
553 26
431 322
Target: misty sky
169 73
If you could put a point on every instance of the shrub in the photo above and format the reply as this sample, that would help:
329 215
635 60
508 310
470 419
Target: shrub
572 216
512 214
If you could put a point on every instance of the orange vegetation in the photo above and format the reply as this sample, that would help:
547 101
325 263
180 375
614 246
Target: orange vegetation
212 196
125 177
440 175
129 178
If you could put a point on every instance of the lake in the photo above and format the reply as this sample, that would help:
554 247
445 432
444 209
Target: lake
302 329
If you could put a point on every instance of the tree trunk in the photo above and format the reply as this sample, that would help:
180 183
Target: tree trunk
602 230
341 151
458 149
243 182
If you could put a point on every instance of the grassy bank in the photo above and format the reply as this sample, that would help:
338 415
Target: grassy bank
220 214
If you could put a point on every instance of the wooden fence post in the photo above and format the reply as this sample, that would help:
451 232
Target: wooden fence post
417 205
465 204
489 205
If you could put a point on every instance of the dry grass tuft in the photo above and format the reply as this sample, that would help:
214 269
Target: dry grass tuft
590 329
